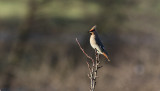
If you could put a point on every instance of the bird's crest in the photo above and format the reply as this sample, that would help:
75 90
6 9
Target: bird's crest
93 28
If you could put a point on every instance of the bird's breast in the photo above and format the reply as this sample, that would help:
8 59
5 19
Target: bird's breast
94 44
92 41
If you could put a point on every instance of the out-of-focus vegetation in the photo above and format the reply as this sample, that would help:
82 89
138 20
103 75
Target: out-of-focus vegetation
38 50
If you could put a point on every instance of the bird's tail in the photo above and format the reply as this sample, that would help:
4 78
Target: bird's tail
105 54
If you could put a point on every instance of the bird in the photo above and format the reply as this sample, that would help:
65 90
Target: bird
96 43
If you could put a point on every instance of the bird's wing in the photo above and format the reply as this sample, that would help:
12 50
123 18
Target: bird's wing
99 43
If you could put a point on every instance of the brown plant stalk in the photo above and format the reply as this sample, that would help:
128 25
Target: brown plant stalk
93 70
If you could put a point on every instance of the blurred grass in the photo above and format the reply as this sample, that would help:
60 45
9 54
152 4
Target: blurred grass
13 9
67 9
71 9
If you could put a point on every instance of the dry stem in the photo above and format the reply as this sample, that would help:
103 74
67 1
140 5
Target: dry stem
93 70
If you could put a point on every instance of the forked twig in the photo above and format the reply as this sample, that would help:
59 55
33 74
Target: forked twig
92 70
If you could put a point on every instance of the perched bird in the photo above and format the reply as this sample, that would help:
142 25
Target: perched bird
96 42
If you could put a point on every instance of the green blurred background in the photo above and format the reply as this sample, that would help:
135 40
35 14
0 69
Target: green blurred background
38 51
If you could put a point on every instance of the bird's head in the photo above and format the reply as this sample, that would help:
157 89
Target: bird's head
92 30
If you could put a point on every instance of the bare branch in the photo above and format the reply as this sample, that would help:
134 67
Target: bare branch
93 70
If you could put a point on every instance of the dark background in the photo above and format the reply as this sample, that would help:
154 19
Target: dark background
38 51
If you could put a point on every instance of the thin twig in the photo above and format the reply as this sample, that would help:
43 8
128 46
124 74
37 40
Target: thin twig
88 66
84 51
